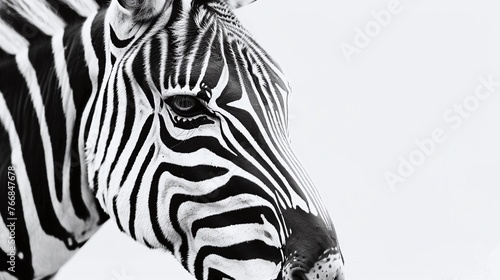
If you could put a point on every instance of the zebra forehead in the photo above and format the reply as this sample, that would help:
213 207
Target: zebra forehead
193 29
207 42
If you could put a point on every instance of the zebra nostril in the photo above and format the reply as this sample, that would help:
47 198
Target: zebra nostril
340 277
298 274
329 266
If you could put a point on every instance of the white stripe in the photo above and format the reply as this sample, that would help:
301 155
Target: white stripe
206 59
273 94
241 269
303 179
93 66
67 102
10 41
39 13
245 104
188 213
192 55
295 199
207 236
307 185
85 8
155 92
44 260
77 226
29 74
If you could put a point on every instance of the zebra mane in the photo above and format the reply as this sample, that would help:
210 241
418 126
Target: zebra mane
25 22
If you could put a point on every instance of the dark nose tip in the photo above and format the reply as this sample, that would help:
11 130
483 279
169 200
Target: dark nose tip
329 266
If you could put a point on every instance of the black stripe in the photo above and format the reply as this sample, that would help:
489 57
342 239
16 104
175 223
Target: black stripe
129 122
64 11
216 274
255 249
196 174
252 215
44 65
104 109
192 144
204 49
26 123
102 3
171 66
77 66
155 62
235 186
97 34
135 192
199 142
81 85
22 26
23 267
112 124
147 244
215 64
273 76
115 212
4 55
232 92
191 34
146 129
118 42
263 89
244 142
272 157
252 126
138 68
99 131
153 213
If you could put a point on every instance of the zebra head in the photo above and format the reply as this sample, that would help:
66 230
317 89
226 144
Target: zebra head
189 148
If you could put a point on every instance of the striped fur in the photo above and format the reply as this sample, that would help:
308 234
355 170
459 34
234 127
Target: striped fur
165 116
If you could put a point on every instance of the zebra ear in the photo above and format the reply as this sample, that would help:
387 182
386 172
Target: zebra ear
127 19
144 10
235 4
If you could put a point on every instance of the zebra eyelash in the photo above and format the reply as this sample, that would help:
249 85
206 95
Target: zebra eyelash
186 119
191 123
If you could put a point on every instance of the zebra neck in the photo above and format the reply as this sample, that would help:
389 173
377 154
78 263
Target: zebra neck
69 78
44 91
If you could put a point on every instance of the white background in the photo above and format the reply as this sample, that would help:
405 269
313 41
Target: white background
351 122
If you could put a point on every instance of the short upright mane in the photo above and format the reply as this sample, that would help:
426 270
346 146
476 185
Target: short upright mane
25 22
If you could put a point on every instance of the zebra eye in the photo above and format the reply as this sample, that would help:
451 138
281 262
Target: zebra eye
185 105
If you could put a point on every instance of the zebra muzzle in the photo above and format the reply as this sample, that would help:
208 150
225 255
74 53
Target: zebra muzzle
330 266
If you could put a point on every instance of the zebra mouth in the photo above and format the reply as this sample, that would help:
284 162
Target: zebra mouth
330 266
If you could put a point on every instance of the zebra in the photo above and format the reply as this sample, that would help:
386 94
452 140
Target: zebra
166 117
